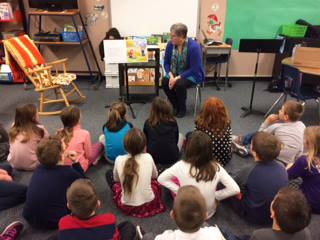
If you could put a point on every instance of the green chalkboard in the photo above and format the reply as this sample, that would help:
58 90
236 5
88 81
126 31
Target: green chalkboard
262 18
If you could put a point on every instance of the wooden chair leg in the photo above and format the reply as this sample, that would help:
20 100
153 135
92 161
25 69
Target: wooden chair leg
64 97
41 107
77 90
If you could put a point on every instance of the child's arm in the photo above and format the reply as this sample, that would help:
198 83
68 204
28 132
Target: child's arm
73 156
165 178
87 146
231 187
115 171
298 168
154 170
271 119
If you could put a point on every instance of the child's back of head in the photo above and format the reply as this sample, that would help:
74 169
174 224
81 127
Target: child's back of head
213 116
294 110
26 121
265 146
70 117
290 210
116 115
82 198
49 151
189 209
199 155
161 112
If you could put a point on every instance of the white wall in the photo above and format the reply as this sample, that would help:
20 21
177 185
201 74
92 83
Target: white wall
146 17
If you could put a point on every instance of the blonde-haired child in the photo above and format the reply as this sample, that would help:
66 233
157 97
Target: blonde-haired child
307 167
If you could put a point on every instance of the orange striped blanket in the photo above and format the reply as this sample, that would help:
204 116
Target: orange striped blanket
21 54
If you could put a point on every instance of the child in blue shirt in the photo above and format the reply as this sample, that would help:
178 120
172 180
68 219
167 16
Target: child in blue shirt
114 131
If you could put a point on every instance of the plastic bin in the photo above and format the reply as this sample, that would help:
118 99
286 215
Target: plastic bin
6 78
72 36
294 30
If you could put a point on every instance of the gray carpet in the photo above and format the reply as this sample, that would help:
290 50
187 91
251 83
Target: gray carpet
94 116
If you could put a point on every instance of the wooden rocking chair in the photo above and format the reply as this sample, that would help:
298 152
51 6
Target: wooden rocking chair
23 55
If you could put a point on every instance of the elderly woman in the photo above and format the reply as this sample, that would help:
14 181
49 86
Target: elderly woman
183 67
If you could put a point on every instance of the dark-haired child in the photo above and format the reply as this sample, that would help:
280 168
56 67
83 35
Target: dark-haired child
290 214
114 131
307 167
136 192
46 196
189 213
24 136
201 170
162 133
260 182
83 223
287 127
77 139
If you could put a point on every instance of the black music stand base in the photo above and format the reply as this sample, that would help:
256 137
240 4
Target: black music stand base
257 46
247 111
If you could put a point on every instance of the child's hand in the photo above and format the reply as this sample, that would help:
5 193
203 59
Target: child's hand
5 177
73 156
272 119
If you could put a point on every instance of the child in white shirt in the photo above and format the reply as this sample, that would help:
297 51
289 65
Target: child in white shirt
200 170
136 192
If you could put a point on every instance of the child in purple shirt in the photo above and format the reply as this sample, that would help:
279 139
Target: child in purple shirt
307 167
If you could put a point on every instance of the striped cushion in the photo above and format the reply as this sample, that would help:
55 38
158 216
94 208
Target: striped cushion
24 51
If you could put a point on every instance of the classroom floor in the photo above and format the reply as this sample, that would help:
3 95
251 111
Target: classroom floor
94 116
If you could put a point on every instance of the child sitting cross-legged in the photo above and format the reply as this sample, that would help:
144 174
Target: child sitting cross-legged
83 223
287 127
114 131
307 167
46 196
162 133
189 212
24 136
201 170
77 139
133 179
260 181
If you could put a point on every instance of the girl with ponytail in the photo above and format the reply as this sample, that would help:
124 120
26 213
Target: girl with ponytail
136 192
114 131
77 139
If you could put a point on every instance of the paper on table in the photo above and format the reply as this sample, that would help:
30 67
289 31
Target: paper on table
115 51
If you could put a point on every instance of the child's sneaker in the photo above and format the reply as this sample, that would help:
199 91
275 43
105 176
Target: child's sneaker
12 231
239 149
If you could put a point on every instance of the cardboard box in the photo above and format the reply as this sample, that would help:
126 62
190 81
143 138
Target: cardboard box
307 57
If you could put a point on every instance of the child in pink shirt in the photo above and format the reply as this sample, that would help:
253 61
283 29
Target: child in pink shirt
24 136
78 139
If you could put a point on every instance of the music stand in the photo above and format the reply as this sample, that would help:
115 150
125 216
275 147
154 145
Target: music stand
257 46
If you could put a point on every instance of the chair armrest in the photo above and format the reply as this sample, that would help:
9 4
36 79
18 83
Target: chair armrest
40 69
58 61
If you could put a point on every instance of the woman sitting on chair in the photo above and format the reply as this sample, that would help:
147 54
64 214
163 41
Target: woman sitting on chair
183 67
